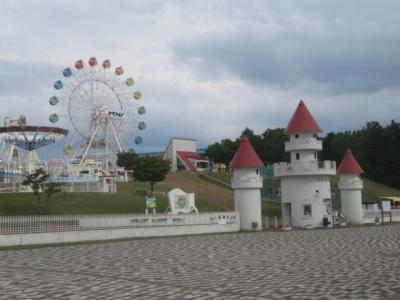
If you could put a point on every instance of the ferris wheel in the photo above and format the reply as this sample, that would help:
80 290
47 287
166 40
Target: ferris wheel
103 109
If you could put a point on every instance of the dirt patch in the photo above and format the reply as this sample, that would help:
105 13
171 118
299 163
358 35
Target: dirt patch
219 200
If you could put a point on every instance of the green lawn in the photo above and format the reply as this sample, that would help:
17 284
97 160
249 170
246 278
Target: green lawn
224 177
127 201
194 178
124 201
271 208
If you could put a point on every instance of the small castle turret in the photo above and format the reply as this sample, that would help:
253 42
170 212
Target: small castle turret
305 181
246 183
350 186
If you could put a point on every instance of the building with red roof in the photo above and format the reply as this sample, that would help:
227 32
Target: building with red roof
305 181
245 156
350 186
349 165
183 155
302 121
246 183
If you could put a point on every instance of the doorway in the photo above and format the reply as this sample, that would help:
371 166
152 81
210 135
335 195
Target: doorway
287 214
327 212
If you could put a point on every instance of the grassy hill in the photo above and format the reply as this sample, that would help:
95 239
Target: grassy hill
371 192
126 200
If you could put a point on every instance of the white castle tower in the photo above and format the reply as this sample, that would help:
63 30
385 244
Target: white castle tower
305 182
246 183
350 186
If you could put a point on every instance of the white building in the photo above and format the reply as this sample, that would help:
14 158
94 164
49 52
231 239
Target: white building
246 183
350 186
305 181
183 155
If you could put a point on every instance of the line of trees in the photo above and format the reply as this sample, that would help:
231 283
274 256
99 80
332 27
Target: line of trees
269 146
376 147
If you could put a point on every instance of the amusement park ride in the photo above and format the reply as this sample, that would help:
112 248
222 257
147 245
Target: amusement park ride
16 136
103 114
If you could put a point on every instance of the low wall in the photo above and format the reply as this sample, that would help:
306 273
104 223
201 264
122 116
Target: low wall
30 230
111 234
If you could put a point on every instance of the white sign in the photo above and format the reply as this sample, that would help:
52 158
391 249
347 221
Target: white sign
386 206
181 202
116 114
101 112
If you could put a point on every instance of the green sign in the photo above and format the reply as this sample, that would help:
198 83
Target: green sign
151 202
181 201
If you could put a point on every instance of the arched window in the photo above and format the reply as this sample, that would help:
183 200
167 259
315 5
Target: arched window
307 209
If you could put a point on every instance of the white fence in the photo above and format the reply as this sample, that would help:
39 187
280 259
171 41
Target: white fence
61 223
373 216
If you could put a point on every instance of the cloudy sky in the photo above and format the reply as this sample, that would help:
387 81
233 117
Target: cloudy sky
208 69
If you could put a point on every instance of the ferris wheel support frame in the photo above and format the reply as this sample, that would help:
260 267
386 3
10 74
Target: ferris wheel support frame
108 123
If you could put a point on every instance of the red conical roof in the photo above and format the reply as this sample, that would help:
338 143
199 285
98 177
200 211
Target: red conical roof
349 165
302 121
245 156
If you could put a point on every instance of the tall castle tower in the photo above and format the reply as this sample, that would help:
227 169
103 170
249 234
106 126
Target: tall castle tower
305 181
350 186
246 183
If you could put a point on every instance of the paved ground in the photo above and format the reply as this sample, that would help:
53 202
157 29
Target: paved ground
351 263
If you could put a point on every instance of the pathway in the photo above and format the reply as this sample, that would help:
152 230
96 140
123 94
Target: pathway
347 263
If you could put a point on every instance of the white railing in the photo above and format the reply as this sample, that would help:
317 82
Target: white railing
71 179
62 223
305 144
274 222
370 216
305 167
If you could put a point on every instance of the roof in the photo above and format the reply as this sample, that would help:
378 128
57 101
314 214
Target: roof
302 121
349 165
245 156
185 139
185 155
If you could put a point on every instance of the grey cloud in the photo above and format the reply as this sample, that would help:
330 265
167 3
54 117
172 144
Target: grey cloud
26 78
343 53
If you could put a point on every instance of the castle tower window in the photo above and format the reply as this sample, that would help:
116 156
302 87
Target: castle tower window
307 212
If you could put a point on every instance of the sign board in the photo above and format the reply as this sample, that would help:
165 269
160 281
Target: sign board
181 202
151 202
386 206
101 112
116 114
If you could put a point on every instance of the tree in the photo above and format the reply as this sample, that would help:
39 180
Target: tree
126 160
151 169
272 148
36 181
218 153
222 152
50 188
